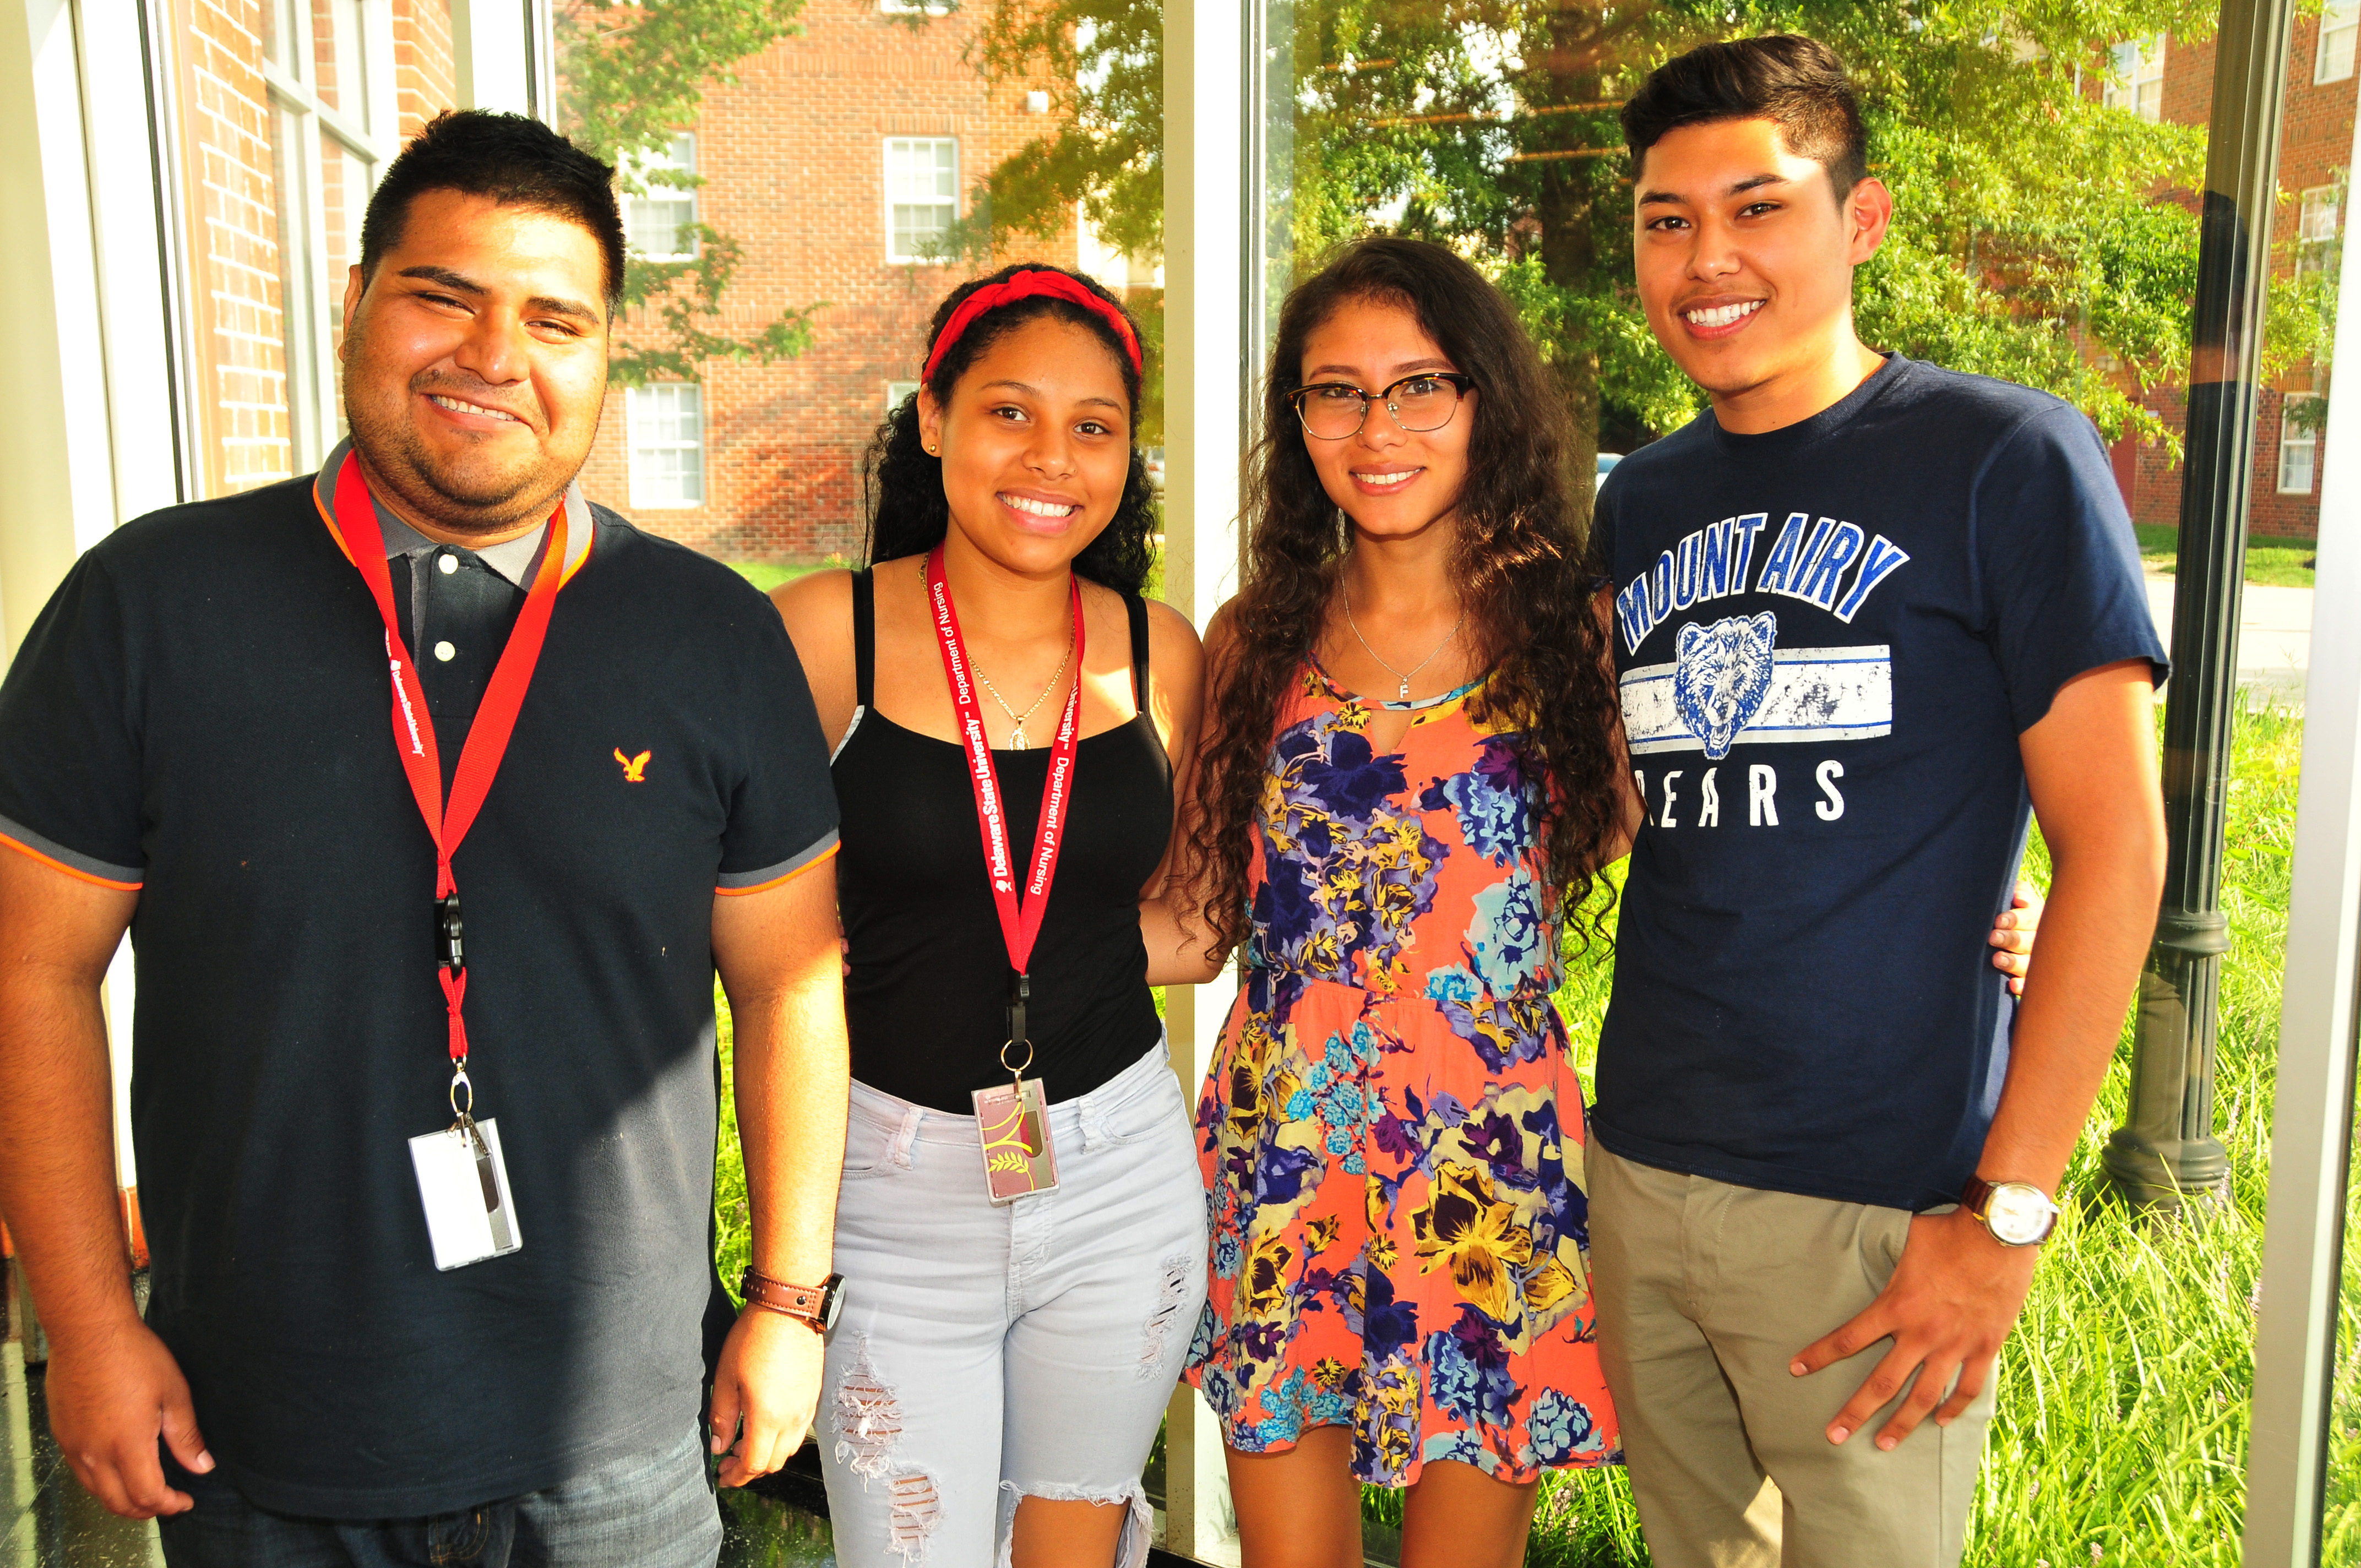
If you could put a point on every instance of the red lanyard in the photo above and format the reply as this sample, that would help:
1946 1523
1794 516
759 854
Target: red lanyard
1020 923
413 728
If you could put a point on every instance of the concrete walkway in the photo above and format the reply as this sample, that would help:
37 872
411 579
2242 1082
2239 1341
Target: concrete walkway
2274 635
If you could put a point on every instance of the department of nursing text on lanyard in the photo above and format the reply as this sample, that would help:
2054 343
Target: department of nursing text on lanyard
462 1179
1013 1122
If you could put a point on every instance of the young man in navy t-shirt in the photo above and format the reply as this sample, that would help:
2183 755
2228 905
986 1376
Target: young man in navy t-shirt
1868 615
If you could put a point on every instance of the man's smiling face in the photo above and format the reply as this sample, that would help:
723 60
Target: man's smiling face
476 362
1744 256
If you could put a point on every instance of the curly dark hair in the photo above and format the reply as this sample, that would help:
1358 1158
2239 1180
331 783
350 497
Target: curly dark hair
902 483
1521 563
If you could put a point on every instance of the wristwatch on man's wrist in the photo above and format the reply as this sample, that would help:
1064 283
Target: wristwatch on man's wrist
816 1305
2018 1213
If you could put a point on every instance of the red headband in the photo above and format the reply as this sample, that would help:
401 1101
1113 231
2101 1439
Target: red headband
1021 286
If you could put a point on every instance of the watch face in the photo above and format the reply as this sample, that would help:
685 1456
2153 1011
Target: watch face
831 1302
2020 1215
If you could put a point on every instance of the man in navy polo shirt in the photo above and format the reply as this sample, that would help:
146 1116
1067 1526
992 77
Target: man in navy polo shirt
1866 614
254 731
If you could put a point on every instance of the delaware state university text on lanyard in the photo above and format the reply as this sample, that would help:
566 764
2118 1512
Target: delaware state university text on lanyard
1013 1122
462 1180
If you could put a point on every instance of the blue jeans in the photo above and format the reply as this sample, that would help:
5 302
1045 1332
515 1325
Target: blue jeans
647 1511
986 1353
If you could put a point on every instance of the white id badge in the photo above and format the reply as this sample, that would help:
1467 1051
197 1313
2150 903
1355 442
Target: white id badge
465 1185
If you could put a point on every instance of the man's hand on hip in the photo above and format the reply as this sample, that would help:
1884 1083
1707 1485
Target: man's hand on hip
766 1393
1952 1300
110 1394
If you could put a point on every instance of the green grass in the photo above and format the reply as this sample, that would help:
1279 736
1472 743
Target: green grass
769 575
2274 563
2120 1435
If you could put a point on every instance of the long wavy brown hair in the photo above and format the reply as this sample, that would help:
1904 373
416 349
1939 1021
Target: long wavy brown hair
1521 563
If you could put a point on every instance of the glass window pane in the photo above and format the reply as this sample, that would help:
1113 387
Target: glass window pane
426 68
653 220
269 203
233 164
336 57
667 446
2340 26
1486 132
844 163
345 182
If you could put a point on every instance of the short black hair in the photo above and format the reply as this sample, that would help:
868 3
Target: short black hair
1798 83
514 160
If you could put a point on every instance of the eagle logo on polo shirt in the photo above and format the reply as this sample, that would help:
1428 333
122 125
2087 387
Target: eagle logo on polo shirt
635 769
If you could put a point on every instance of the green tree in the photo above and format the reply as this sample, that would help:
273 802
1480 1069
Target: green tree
633 74
2041 237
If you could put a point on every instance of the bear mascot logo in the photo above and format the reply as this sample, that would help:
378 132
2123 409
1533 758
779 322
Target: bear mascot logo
1722 677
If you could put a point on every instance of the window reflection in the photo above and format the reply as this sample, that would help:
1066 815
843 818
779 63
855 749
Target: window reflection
274 147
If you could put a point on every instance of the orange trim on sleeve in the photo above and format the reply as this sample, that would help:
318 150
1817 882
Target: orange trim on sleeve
58 865
820 859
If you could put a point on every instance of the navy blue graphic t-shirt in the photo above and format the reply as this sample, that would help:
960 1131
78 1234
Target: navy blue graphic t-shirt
1829 638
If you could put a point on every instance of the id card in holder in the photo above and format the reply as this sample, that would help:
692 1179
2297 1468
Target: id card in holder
465 1185
1012 1125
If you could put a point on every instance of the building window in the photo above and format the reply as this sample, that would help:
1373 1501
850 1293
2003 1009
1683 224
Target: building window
667 423
2340 24
921 196
2299 447
2138 83
895 391
657 222
2316 228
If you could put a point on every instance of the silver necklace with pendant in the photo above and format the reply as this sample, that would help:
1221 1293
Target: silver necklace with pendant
1404 679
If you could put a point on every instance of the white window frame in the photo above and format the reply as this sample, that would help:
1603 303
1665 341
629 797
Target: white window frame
2340 29
2138 65
2290 441
313 300
895 391
2319 218
894 255
2319 215
644 165
638 408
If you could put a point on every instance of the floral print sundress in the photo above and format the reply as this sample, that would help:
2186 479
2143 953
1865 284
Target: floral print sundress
1392 1130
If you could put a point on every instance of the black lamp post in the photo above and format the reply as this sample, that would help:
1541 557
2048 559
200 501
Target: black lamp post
2166 1148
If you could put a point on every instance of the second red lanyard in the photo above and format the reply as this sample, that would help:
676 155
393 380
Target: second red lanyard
1020 916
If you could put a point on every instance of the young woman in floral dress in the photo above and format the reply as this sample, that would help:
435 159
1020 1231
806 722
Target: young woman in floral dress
1413 768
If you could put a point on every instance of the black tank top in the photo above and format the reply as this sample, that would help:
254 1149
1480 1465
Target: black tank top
926 1001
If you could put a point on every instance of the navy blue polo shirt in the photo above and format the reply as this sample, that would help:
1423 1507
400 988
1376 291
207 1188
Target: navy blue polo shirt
203 712
1831 637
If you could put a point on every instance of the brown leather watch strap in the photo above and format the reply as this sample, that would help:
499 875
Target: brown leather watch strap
801 1302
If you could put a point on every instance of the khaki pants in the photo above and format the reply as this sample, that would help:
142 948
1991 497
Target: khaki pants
1705 1293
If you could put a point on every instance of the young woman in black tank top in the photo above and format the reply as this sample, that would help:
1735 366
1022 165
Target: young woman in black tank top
996 1379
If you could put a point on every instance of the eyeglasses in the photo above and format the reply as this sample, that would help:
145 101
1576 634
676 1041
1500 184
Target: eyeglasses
1334 410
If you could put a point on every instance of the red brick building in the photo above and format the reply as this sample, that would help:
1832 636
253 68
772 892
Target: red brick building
2168 80
836 160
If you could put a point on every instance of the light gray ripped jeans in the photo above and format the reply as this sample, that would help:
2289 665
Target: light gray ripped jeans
990 1353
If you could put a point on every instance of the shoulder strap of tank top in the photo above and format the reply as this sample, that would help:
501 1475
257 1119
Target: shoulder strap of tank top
1137 608
865 638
